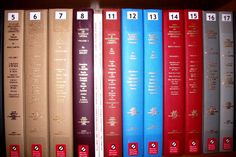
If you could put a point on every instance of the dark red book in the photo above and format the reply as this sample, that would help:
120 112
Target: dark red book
112 83
83 83
174 82
193 77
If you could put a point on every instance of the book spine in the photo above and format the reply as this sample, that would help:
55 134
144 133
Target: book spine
112 83
174 81
13 82
98 84
153 83
60 83
132 81
2 135
211 83
193 77
226 80
36 81
83 83
234 27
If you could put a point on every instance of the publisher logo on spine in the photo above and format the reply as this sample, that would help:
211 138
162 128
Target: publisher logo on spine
193 146
60 150
133 149
152 148
14 150
113 150
36 150
83 151
174 146
227 143
211 144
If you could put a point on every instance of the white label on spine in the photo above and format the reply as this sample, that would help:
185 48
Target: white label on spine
111 15
193 15
152 16
82 15
174 16
34 16
60 15
210 17
132 15
13 16
226 17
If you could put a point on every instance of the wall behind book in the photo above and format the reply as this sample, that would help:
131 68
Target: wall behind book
231 5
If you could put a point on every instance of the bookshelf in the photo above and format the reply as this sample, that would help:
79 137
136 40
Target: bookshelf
162 4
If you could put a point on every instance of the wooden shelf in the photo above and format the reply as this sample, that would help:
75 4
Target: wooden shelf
162 4
228 6
226 154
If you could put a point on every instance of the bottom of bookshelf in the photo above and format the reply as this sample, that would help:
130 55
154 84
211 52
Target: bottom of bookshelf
225 154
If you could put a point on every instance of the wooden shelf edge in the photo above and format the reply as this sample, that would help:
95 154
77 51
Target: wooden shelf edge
161 4
221 154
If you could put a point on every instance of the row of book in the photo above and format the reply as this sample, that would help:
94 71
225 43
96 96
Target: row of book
116 82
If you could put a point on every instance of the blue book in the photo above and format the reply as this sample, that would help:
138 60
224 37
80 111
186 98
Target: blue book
132 81
153 83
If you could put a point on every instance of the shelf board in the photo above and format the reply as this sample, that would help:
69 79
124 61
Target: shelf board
226 154
165 4
162 4
228 6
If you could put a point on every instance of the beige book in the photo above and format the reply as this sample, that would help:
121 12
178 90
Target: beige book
13 82
60 82
36 83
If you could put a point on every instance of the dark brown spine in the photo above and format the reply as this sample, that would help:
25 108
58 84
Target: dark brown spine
83 83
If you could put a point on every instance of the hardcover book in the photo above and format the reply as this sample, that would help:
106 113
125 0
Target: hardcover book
2 135
112 100
36 83
193 79
60 83
83 83
98 84
153 83
132 81
174 82
211 82
13 82
226 80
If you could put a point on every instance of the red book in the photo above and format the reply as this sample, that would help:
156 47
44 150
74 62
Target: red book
193 76
112 83
174 82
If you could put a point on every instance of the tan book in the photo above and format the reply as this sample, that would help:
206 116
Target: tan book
60 82
13 82
36 83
